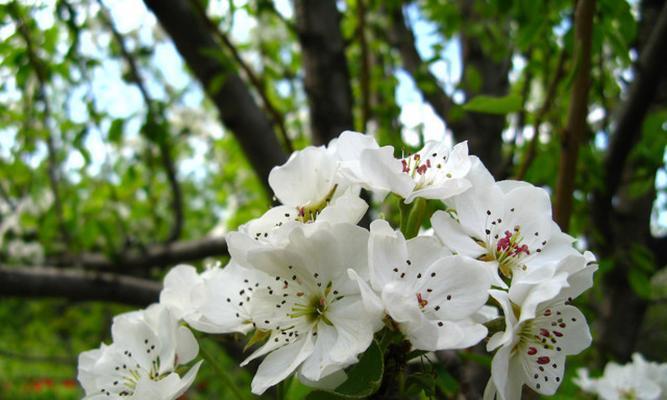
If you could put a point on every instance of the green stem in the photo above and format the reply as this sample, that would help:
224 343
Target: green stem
405 213
415 219
223 376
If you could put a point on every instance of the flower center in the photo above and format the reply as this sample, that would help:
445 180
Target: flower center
425 172
507 250
128 373
309 213
315 309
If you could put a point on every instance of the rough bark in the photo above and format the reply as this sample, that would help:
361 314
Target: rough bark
326 76
238 110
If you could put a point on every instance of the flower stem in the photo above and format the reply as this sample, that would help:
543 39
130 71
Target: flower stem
226 380
415 218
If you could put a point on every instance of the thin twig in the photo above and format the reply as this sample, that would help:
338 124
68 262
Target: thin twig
153 116
578 109
530 154
365 76
42 80
249 73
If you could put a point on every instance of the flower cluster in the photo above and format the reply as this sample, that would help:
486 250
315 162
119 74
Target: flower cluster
314 288
637 380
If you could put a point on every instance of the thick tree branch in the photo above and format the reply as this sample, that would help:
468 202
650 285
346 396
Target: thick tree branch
39 282
650 68
250 75
629 117
237 108
326 76
578 110
158 255
153 116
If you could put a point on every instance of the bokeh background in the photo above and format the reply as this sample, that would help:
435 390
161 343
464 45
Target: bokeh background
135 134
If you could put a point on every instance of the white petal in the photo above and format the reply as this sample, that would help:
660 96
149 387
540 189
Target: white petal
546 377
387 249
372 302
307 177
187 347
382 172
176 294
281 363
354 329
458 285
454 236
566 326
348 207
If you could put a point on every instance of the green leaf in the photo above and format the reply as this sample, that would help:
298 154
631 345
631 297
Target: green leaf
640 283
494 105
116 130
364 378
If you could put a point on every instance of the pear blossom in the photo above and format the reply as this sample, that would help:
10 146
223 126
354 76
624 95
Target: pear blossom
508 224
311 312
639 380
215 301
434 172
309 183
431 295
141 363
541 329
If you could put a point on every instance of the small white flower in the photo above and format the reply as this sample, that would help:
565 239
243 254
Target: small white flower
541 329
637 380
141 362
432 295
434 172
311 311
215 301
507 224
619 382
310 182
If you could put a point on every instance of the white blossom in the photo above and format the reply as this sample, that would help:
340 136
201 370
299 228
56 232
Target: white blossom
141 362
434 172
311 311
431 295
541 329
508 224
637 380
215 301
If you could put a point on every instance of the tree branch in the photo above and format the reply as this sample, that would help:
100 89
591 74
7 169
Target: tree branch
249 73
578 110
629 117
237 108
365 74
546 106
42 80
402 38
39 282
153 116
326 75
651 65
158 255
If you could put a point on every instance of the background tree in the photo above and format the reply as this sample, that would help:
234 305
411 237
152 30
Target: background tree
130 145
